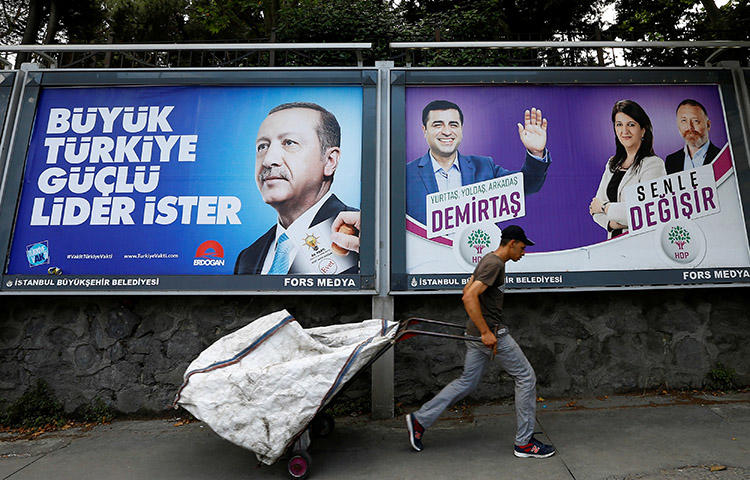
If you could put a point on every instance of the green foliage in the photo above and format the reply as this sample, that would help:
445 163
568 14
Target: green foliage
381 22
95 412
671 20
722 378
231 20
133 21
349 406
329 21
36 408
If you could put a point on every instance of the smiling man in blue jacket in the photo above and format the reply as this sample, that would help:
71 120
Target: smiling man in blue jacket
443 167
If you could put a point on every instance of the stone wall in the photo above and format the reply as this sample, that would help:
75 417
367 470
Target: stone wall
132 351
592 343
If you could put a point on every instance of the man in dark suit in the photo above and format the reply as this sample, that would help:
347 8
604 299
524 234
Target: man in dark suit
297 152
694 125
444 168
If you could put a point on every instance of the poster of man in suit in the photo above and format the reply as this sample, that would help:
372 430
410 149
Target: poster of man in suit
187 180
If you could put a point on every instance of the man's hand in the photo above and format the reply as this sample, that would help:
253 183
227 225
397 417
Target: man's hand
533 132
490 340
345 240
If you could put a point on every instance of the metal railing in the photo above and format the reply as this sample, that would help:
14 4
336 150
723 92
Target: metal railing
227 55
719 46
155 55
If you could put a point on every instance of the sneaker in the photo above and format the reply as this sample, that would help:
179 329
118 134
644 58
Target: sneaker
415 432
534 449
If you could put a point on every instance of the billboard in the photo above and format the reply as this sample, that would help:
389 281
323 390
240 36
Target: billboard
245 186
545 156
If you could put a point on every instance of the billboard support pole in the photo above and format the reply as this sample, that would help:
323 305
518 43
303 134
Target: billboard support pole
382 303
10 123
743 98
10 118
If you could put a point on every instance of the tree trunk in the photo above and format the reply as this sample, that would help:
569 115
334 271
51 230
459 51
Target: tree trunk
53 23
32 29
108 55
270 15
598 38
713 12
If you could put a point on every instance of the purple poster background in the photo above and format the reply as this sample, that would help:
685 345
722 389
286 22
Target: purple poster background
580 140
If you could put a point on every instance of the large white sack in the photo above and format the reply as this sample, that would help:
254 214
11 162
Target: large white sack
260 386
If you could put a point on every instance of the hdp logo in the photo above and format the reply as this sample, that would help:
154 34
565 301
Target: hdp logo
209 254
479 240
683 242
679 236
37 253
474 241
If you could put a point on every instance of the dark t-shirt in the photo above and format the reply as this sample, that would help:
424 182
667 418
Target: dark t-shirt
491 272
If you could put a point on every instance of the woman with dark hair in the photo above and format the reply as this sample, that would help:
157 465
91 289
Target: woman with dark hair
634 161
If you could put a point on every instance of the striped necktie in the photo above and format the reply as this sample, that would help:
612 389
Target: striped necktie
280 265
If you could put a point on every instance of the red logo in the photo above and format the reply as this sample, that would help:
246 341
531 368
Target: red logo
210 249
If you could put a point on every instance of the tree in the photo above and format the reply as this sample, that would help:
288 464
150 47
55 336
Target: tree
231 20
381 22
328 21
144 21
503 20
47 21
658 20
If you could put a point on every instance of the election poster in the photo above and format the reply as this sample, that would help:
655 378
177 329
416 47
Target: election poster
545 157
190 180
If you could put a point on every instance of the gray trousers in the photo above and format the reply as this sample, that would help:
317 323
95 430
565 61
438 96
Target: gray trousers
513 361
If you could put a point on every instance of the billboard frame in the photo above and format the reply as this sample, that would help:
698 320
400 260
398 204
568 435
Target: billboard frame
8 91
403 283
38 79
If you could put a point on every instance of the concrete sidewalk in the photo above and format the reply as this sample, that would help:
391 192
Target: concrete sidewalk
621 437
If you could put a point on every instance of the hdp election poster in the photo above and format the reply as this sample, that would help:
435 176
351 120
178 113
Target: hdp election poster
616 184
191 180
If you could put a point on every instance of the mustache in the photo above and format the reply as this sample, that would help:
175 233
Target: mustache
277 172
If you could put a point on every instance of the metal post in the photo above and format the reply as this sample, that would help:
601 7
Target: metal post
382 369
382 303
743 99
10 119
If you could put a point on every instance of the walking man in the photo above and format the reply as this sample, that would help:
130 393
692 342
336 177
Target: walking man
483 301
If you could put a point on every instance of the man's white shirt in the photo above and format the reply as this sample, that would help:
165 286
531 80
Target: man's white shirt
446 180
452 178
697 159
296 231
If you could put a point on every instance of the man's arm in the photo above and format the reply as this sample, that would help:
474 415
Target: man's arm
534 174
472 290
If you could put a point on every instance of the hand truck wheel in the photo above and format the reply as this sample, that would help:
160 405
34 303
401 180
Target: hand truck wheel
298 465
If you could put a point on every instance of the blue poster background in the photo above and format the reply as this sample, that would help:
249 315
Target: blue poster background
226 121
